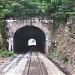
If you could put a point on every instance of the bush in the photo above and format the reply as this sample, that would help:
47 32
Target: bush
55 53
7 54
65 59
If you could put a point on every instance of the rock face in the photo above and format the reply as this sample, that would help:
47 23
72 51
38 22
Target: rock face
64 46
45 25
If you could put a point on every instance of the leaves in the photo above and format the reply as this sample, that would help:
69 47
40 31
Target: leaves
4 8
42 7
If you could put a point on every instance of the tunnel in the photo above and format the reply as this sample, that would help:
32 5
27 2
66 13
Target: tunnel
22 35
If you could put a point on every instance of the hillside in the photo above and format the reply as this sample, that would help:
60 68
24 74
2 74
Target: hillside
63 46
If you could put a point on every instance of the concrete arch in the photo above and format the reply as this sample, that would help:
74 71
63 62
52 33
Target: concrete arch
21 37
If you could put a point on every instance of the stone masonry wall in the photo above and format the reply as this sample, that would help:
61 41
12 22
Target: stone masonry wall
13 25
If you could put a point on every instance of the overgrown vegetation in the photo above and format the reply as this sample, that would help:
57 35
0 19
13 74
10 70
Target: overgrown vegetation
3 34
57 55
6 53
57 9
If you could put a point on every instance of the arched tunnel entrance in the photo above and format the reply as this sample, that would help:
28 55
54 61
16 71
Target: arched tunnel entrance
21 37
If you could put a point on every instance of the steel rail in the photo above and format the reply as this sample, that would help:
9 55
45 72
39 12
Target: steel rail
40 64
29 62
27 69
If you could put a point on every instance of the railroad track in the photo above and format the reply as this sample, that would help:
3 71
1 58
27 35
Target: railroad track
35 66
32 63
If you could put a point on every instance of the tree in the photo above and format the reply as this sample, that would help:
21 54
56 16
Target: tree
60 11
5 9
29 8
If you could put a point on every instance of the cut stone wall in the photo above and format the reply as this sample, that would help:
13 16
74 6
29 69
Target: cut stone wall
45 25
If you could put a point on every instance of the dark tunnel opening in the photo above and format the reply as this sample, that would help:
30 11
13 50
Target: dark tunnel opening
21 37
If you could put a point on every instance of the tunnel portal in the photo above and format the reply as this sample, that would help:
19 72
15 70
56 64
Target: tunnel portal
21 37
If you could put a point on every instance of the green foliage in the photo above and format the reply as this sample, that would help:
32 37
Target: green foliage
55 53
42 7
1 51
29 8
1 40
7 54
3 34
62 9
5 8
2 26
65 59
57 25
25 8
